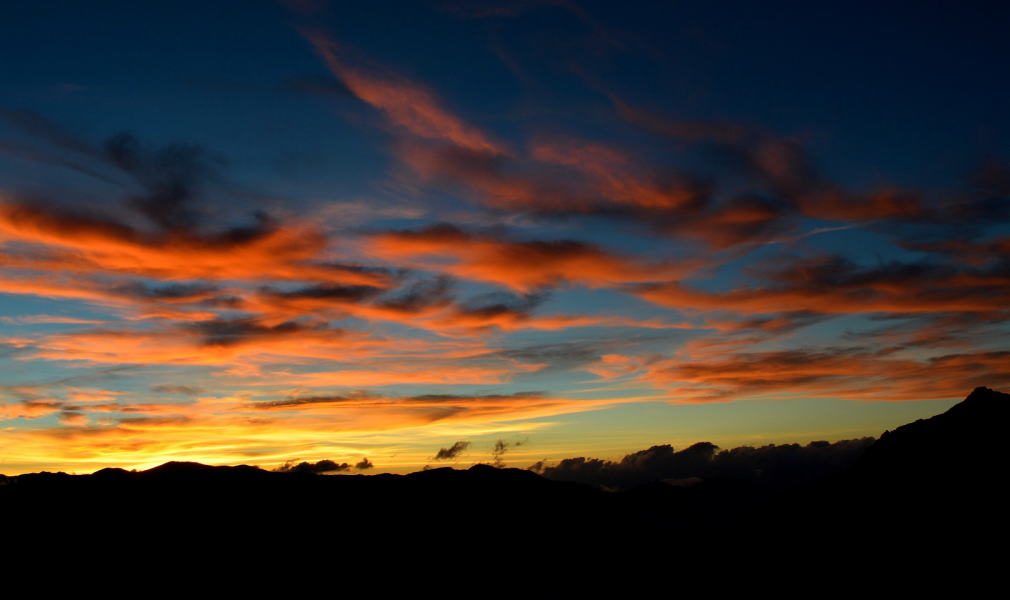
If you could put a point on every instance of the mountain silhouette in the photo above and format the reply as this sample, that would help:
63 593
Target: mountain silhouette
926 487
925 481
967 442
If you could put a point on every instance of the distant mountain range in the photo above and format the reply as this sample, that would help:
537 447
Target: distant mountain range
942 476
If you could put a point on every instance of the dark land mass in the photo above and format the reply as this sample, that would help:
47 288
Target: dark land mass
933 486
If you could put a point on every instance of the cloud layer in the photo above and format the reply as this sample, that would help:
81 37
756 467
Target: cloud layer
570 252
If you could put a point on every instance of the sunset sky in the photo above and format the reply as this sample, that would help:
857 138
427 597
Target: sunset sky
259 232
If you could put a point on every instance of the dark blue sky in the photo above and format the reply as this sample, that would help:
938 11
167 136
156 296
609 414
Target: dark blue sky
902 92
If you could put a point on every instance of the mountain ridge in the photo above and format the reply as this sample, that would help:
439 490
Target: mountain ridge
932 477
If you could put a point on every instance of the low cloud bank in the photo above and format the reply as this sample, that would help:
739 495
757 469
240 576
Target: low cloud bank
772 465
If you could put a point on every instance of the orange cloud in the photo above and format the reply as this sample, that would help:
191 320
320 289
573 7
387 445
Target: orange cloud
28 410
828 373
289 252
405 103
215 342
523 266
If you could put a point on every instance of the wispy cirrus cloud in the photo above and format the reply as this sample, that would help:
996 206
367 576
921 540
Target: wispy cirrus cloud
407 104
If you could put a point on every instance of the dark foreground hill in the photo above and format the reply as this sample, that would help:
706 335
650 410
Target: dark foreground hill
941 478
936 479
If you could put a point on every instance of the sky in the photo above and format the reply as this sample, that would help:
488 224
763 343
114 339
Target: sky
433 234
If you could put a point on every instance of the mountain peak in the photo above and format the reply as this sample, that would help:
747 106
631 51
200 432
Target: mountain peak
180 467
964 439
983 399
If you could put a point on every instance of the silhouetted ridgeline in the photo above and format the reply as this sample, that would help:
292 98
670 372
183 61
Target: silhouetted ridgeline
936 477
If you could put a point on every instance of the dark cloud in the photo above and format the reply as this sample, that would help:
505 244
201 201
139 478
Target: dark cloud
449 398
155 421
363 465
323 466
322 298
310 400
363 397
165 292
496 304
570 355
771 325
172 177
529 267
564 354
939 330
452 451
186 390
500 448
173 197
69 416
419 295
336 293
833 284
834 271
227 332
166 184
